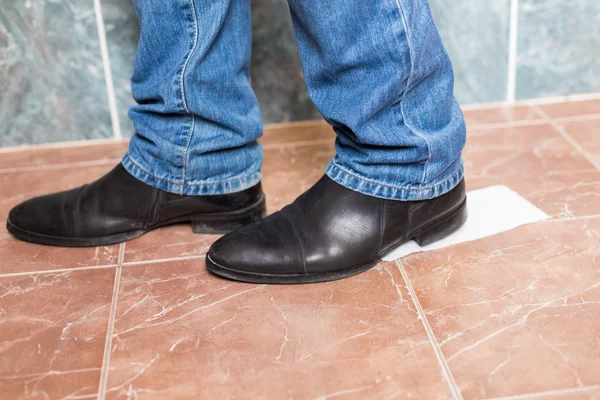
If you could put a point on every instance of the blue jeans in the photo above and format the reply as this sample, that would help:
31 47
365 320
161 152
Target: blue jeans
376 70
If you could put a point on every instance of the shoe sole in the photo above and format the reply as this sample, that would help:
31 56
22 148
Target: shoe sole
427 234
216 223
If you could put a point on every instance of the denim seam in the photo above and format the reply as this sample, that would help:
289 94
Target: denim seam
183 99
189 184
185 152
187 59
421 189
223 180
409 80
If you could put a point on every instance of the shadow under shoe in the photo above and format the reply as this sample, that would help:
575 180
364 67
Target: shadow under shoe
331 232
118 207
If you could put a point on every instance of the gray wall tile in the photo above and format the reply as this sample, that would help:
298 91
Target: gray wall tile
558 48
51 76
277 75
122 34
475 33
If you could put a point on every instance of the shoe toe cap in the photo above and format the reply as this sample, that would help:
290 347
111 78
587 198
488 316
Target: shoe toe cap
40 215
16 214
256 249
26 216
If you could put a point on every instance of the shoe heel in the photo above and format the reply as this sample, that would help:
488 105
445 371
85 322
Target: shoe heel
443 227
227 222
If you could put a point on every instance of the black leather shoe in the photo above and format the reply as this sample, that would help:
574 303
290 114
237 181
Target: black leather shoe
331 232
119 207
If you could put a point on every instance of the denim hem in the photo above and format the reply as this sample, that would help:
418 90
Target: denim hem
206 188
353 181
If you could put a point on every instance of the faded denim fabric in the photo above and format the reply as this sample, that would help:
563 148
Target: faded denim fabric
377 71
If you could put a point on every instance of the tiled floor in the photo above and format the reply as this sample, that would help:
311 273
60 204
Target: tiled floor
516 315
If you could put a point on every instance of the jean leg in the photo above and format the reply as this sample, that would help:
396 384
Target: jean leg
380 75
197 119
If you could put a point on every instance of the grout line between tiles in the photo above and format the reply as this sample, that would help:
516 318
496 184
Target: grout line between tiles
527 122
582 217
567 137
299 143
94 267
55 271
549 393
161 260
500 125
295 124
456 394
60 145
110 87
513 35
570 98
574 98
531 122
29 168
577 118
111 323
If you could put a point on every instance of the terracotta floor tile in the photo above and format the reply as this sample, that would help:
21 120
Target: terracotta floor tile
182 333
484 116
288 171
17 256
571 109
587 134
168 242
588 395
518 312
52 334
539 164
279 134
37 157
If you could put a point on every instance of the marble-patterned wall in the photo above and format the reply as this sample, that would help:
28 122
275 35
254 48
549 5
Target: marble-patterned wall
52 81
476 33
559 47
276 72
51 76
